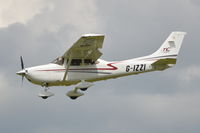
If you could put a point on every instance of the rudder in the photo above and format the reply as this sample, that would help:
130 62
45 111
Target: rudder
171 46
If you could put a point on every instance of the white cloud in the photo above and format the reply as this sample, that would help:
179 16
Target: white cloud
79 16
187 77
190 73
13 11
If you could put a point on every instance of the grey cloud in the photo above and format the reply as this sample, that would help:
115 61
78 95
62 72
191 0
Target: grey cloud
195 2
152 102
135 112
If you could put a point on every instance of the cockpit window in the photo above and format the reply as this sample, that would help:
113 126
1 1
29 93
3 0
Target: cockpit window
74 62
58 61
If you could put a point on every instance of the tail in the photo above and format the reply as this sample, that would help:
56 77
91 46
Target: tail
171 46
166 55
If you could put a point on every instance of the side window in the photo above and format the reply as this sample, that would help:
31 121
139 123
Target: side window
88 61
76 62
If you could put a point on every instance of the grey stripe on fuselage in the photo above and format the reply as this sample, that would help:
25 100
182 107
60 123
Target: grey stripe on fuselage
161 57
91 72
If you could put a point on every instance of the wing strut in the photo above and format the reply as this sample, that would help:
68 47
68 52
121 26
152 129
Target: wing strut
67 69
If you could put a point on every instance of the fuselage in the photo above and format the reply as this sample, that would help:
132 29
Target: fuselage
52 74
81 63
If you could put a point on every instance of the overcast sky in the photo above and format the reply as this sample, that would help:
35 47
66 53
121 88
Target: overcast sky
157 102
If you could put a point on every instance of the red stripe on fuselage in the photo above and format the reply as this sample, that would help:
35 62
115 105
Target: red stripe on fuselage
110 65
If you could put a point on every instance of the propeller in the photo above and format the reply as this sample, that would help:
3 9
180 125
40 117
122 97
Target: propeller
22 79
22 63
22 72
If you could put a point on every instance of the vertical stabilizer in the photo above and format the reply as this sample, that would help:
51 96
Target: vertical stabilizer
171 46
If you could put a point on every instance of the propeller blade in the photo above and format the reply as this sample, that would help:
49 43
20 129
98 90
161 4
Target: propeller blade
22 63
23 71
22 79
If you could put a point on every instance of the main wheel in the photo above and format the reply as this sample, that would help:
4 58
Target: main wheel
44 97
73 97
83 89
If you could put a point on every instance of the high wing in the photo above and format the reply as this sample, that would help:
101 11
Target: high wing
87 47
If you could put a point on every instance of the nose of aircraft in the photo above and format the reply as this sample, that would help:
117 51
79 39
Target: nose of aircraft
22 72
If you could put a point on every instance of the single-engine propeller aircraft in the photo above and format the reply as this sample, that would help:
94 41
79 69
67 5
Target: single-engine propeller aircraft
81 65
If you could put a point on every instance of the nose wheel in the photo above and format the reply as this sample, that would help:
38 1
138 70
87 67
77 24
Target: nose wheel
45 93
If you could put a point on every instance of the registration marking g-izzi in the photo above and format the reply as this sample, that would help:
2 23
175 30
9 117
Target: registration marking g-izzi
136 68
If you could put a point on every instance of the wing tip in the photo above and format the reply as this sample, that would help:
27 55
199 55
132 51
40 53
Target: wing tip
180 32
92 34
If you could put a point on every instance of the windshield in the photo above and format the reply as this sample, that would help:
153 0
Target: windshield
58 61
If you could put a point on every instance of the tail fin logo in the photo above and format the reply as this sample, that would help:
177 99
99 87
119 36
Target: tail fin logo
171 45
166 50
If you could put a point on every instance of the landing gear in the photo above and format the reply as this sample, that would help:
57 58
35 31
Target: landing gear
83 89
45 93
74 94
73 97
83 85
44 97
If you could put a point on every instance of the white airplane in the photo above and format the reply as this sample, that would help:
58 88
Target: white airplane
81 65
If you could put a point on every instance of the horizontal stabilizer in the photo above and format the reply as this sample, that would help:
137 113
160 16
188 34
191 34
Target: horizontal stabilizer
163 64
